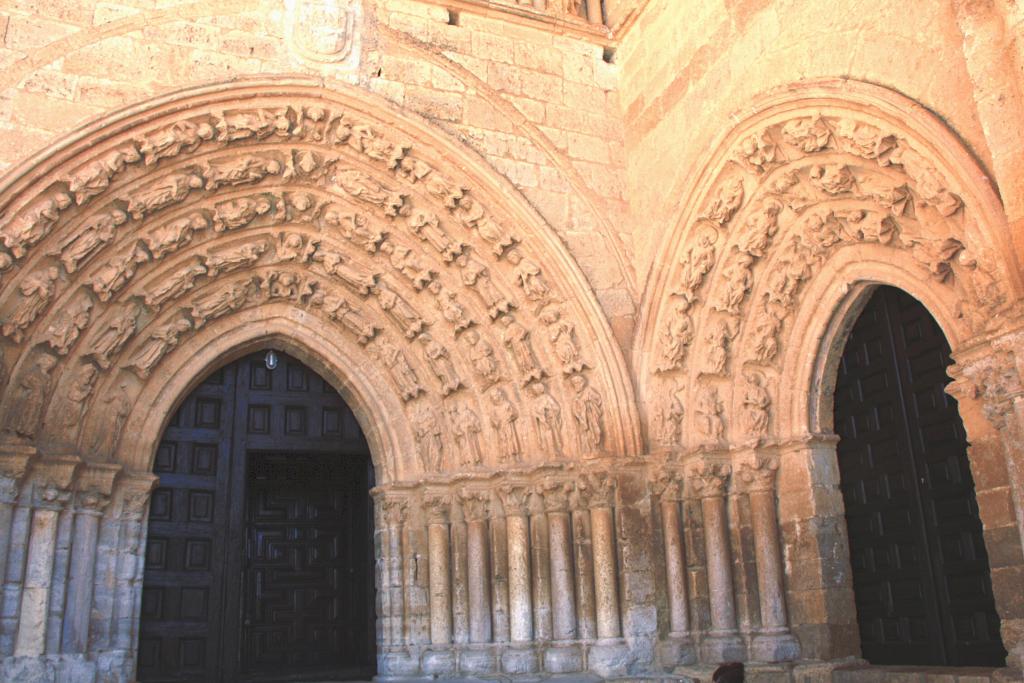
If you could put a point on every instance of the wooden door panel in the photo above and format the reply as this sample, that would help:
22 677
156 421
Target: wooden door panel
920 571
303 574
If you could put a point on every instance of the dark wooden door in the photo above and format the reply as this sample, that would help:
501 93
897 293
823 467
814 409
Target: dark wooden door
259 555
920 570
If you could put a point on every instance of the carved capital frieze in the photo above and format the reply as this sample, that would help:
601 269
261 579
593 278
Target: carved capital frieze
14 463
437 506
476 504
756 475
51 480
134 489
93 487
708 480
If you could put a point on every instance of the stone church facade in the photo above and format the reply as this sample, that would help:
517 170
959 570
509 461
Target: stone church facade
583 272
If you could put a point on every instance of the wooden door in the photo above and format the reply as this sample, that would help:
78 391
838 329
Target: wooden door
259 555
920 570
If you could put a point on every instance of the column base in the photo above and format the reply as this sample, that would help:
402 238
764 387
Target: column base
477 660
439 662
774 647
52 669
722 648
677 650
397 663
519 660
609 657
563 659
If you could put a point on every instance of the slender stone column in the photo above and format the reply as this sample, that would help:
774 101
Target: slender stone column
94 486
723 643
51 479
136 492
440 573
563 657
586 615
59 578
460 578
394 515
476 506
540 559
594 12
773 643
14 460
521 658
675 563
498 542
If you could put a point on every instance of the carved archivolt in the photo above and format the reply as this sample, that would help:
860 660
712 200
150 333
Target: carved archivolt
830 168
121 248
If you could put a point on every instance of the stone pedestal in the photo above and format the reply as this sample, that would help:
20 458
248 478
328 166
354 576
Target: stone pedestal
439 662
519 660
564 658
477 660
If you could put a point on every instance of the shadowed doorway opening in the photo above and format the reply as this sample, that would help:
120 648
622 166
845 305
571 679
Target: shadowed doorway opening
920 569
259 559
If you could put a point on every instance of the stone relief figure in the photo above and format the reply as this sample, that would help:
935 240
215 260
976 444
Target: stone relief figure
281 285
405 261
767 326
475 275
472 215
120 405
175 234
709 416
29 397
810 134
292 247
441 364
562 335
482 356
112 339
229 260
354 277
450 308
400 311
175 284
588 411
163 339
726 203
759 229
784 281
240 171
427 227
718 339
34 222
503 420
78 393
90 180
756 405
427 429
238 213
738 280
69 322
547 418
517 339
677 337
183 136
254 123
95 233
832 178
222 302
36 290
361 186
402 373
465 425
528 276
338 308
758 152
354 227
697 263
170 190
672 414
116 273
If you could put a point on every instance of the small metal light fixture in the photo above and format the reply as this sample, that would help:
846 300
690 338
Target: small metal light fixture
270 359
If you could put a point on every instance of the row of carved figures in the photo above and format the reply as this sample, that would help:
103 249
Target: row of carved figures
585 9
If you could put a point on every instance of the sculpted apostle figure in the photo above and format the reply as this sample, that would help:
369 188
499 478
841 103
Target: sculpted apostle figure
79 391
428 433
34 223
756 403
547 418
95 234
466 427
482 356
589 414
503 420
108 342
36 290
167 191
517 339
29 397
162 340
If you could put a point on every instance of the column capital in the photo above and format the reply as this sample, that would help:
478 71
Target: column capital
556 494
437 506
476 504
94 485
51 479
666 482
992 374
757 474
394 510
708 479
515 498
135 489
596 489
14 463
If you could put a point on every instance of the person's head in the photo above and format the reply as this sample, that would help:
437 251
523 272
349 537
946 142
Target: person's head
731 672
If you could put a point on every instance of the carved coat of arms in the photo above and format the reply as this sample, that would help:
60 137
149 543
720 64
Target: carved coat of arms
322 30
